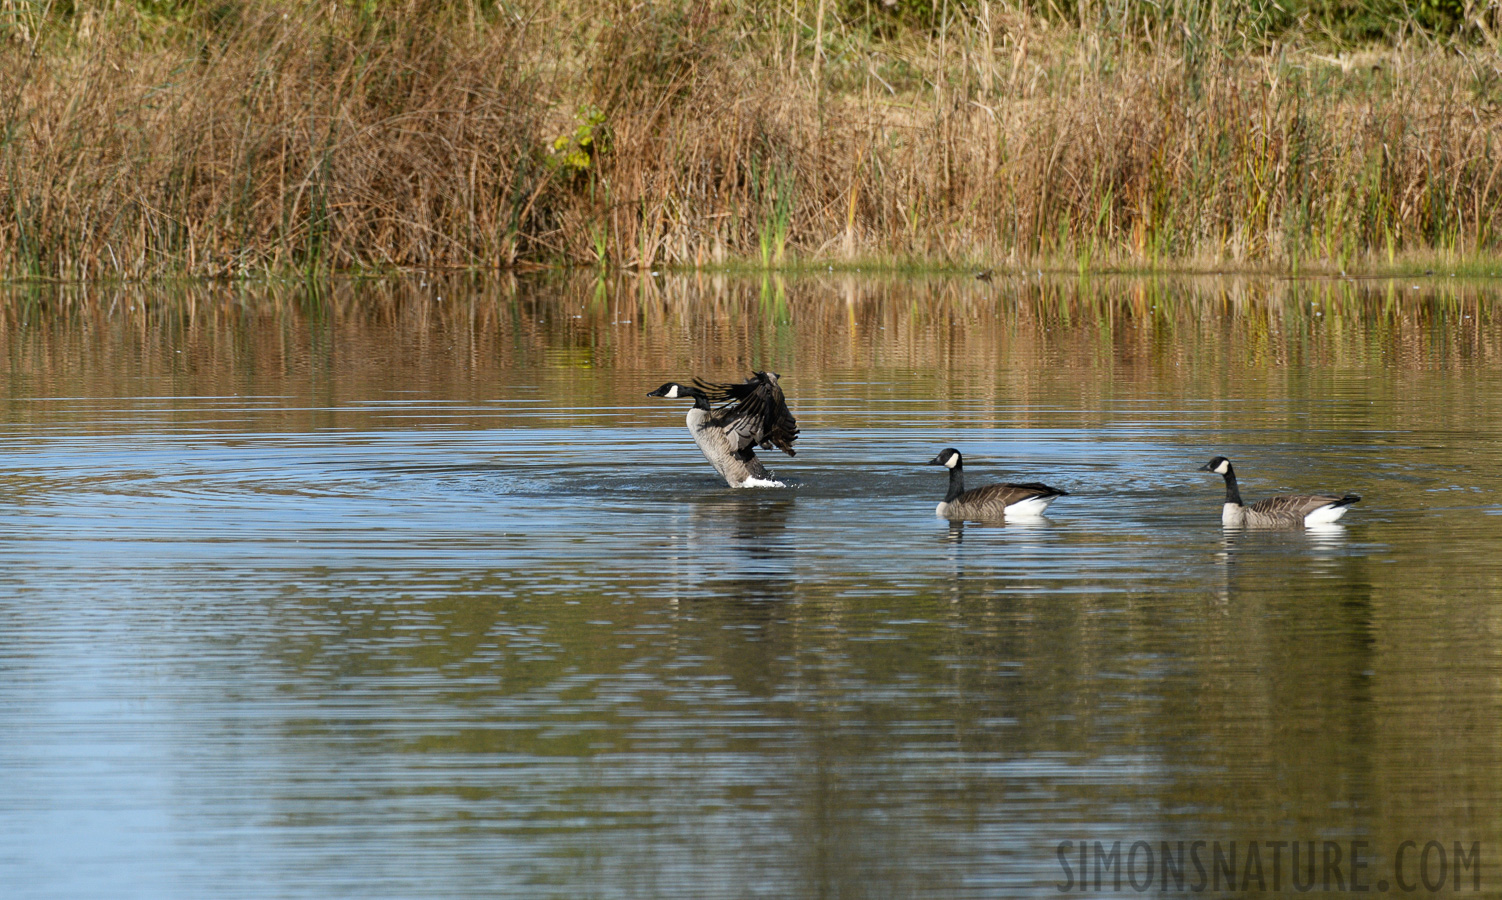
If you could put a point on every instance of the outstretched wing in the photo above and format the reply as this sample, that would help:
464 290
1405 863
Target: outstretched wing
717 392
756 414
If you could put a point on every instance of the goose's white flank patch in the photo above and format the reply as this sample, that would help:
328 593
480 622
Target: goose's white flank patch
1325 515
1031 508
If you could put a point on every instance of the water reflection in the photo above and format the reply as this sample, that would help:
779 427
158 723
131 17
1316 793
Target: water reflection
732 544
955 531
357 591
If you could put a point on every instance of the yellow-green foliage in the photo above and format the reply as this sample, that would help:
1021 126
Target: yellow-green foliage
574 152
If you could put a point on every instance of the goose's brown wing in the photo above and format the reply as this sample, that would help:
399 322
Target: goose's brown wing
720 392
1007 494
1297 506
990 502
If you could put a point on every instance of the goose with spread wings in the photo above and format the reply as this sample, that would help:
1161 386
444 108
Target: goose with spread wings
754 414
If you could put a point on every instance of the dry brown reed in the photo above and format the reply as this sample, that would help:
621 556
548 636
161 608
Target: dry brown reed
292 136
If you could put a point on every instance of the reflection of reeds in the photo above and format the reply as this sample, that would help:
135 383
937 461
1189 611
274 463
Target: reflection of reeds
277 136
1023 344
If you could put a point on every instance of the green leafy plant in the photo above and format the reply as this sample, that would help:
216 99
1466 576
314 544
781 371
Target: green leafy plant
576 151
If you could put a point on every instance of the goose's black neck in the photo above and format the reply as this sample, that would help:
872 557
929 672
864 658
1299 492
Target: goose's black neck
956 482
1233 495
701 400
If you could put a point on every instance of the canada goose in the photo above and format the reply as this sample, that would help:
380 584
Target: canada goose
1288 510
756 415
992 502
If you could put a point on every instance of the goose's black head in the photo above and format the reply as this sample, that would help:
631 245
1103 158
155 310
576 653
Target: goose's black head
672 390
675 391
1219 465
949 458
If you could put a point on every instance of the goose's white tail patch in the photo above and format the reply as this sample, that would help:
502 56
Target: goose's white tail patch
1031 508
1325 515
760 483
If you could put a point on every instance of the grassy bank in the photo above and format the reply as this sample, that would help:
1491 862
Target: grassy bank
155 139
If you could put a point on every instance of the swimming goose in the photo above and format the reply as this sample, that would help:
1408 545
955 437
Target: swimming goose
1286 511
992 502
755 414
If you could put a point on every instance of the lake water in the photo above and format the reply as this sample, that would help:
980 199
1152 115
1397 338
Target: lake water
406 589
